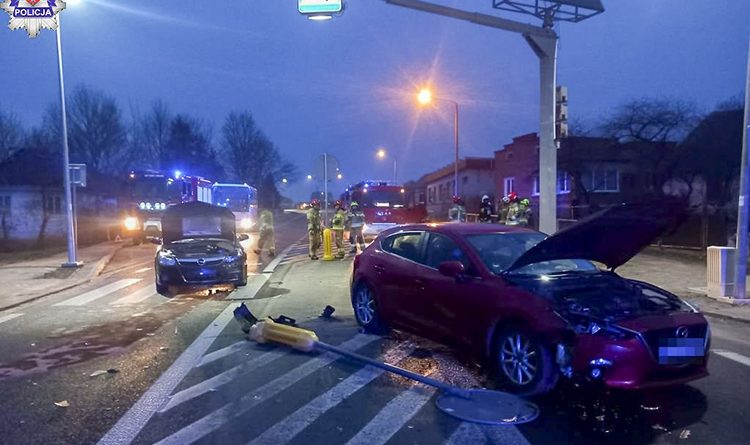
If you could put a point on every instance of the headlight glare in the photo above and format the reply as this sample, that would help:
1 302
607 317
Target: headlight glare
130 223
166 259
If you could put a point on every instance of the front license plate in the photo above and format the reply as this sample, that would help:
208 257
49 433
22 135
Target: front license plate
673 351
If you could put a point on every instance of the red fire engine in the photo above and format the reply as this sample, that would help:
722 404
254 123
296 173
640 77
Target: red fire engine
384 205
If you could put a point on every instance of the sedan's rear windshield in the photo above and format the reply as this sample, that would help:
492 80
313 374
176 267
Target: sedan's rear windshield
500 250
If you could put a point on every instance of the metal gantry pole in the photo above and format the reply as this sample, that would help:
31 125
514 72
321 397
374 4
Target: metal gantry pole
740 264
546 49
394 171
455 140
69 221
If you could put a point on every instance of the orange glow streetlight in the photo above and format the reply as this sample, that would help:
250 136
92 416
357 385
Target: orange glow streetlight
425 97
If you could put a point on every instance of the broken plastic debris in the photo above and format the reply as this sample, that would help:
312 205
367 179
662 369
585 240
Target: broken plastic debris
685 434
62 404
649 408
113 370
163 348
96 373
658 427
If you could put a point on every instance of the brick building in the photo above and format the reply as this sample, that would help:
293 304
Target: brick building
476 178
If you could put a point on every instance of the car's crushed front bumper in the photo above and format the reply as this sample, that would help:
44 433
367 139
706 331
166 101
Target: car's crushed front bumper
632 364
201 275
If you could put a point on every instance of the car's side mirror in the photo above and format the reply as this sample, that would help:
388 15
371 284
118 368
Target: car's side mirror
452 269
155 240
243 237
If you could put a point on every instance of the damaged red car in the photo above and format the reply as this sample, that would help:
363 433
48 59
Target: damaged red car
537 308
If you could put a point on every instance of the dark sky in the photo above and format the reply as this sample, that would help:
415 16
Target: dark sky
347 85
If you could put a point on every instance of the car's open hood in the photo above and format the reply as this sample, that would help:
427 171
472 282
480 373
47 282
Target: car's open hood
612 236
197 220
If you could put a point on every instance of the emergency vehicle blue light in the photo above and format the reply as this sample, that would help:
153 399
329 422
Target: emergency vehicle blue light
177 174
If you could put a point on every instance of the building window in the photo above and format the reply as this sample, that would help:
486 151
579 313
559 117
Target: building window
563 183
602 179
509 155
5 205
510 186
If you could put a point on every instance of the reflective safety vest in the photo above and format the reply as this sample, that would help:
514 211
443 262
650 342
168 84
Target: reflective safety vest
266 220
356 219
313 220
339 218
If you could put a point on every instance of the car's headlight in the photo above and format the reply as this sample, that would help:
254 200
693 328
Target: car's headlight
236 257
142 206
246 223
130 223
166 259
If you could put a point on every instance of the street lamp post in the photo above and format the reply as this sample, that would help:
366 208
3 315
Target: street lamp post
425 97
382 154
69 217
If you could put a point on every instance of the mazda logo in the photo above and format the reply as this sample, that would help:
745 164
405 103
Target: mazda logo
681 332
202 261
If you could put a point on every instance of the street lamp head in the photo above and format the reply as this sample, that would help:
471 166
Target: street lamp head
381 153
339 176
424 96
284 180
309 177
319 17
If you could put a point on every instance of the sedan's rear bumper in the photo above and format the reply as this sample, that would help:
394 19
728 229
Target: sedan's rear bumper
629 364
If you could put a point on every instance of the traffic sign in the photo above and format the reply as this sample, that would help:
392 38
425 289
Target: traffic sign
78 174
319 6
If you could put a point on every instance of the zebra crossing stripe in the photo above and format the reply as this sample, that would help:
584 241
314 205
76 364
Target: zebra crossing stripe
95 294
215 420
221 379
287 429
496 435
393 416
138 296
9 317
221 353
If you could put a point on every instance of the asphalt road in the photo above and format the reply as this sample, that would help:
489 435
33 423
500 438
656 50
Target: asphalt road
182 372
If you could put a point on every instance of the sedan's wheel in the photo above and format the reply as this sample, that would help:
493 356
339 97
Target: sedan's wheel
162 289
366 310
524 363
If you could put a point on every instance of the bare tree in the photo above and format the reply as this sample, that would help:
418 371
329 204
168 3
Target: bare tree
189 148
250 155
149 134
96 133
11 135
652 127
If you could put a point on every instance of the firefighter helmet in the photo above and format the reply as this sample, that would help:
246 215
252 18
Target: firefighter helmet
485 198
513 196
457 200
315 203
354 204
525 202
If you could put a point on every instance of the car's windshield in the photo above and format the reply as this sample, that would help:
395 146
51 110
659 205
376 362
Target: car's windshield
499 251
158 188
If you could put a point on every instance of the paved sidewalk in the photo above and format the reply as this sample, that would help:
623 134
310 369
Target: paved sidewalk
683 274
26 281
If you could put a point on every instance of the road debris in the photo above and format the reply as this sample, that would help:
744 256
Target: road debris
685 434
113 371
328 312
163 348
97 373
62 404
649 408
658 427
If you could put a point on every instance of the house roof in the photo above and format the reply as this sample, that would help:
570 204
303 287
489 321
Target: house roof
468 163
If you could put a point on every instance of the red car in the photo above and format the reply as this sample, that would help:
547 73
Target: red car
536 307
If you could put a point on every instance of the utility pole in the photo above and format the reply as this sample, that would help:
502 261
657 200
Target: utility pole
740 254
325 188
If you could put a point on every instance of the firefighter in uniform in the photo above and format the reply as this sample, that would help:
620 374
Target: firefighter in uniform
266 234
313 228
458 211
518 211
356 221
486 210
337 226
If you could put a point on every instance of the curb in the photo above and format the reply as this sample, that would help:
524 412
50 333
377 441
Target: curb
96 271
724 316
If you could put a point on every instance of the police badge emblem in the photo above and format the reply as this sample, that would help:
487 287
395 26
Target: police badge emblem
33 15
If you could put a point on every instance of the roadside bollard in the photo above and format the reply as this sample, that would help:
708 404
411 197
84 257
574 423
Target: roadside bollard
328 245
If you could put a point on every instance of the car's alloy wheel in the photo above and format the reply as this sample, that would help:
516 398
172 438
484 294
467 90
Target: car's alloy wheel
519 359
364 305
366 310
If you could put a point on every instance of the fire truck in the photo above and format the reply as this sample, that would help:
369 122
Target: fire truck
384 206
196 188
148 193
241 199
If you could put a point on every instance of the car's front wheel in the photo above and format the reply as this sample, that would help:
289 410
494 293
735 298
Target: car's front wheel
243 278
366 312
162 289
523 363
